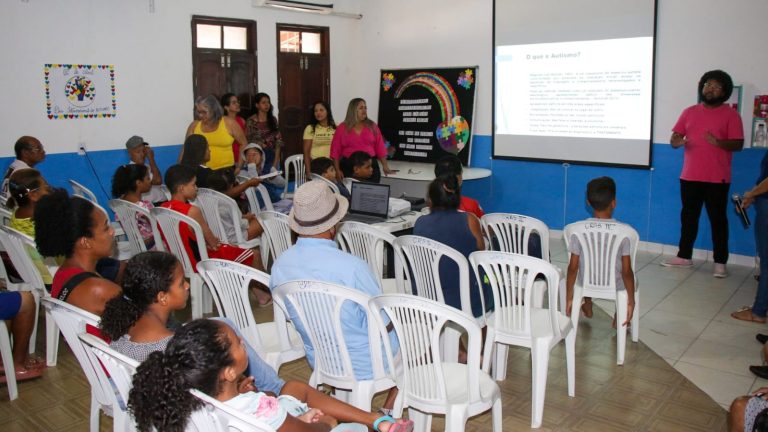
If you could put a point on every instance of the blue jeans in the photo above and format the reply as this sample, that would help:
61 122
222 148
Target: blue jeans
761 238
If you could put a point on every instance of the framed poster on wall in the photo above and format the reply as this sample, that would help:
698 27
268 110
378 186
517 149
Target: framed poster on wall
428 112
79 91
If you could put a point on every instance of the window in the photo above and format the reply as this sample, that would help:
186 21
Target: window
300 42
221 36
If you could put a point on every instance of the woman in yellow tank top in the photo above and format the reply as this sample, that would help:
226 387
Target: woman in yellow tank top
219 130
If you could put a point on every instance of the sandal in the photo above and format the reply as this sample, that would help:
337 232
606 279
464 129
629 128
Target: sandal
31 363
745 314
23 375
586 311
397 425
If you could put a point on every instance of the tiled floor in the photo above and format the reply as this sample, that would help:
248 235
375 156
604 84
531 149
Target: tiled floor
685 318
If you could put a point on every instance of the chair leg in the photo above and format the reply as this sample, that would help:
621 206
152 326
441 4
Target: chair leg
360 397
570 361
496 414
51 339
7 356
422 421
456 418
636 318
489 349
95 412
540 366
33 336
196 292
207 297
621 330
576 307
500 362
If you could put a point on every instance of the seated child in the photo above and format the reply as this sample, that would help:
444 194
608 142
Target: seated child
361 167
221 182
180 180
251 165
208 356
130 183
601 196
323 167
25 188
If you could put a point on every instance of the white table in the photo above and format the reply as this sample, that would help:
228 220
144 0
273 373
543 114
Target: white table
412 178
399 223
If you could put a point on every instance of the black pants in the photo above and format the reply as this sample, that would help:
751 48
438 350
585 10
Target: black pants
715 197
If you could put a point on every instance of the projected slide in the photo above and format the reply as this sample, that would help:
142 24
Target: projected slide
590 89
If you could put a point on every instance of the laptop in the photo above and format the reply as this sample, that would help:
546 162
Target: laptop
369 202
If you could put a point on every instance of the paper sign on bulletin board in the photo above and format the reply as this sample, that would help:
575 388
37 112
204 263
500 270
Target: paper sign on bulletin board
80 91
427 113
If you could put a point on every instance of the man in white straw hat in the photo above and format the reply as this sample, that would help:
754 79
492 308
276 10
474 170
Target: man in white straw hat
315 256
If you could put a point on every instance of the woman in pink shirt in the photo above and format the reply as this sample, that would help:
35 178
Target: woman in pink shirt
358 133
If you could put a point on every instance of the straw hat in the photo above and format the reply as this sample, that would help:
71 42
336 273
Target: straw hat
316 209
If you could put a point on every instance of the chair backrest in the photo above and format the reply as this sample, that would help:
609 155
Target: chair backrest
330 184
512 232
600 241
319 308
229 282
254 194
166 226
120 367
511 277
367 242
72 321
420 258
216 416
166 192
82 191
128 214
5 215
216 206
294 163
419 323
18 245
276 237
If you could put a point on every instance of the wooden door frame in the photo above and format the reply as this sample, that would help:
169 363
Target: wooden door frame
325 45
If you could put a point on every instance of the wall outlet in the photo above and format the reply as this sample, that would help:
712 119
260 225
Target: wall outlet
81 149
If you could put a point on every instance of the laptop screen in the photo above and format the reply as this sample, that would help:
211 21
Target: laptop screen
369 199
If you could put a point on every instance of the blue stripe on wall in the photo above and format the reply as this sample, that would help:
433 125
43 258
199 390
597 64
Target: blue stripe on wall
649 200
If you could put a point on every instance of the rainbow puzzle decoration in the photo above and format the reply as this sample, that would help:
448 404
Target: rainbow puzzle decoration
453 132
79 91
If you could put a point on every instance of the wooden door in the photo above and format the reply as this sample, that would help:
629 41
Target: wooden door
303 71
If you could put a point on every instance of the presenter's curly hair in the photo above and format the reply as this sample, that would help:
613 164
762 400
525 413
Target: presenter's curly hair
146 275
59 221
720 76
125 178
193 359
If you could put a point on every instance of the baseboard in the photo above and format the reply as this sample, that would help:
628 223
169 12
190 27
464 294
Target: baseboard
671 250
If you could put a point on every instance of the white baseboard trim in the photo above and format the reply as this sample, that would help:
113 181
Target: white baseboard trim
671 250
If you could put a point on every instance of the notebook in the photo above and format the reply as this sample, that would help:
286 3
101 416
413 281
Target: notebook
369 202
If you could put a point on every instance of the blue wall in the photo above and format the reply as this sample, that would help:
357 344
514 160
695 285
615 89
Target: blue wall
647 199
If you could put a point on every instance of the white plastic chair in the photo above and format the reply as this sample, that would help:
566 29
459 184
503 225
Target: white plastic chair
276 237
512 232
127 214
517 321
5 215
370 244
274 341
219 417
166 192
72 321
294 163
600 242
166 225
120 370
428 384
82 191
253 199
211 203
18 245
330 184
318 306
6 353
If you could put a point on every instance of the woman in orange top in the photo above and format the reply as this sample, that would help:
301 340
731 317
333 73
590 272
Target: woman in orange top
220 131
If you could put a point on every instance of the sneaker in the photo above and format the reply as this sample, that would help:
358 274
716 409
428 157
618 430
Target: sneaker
677 262
720 271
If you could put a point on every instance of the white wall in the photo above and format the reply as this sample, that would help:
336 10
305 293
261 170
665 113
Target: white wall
153 63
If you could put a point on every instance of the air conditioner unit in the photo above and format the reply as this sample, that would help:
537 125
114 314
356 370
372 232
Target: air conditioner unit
303 6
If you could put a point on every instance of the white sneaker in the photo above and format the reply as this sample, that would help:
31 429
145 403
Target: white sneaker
720 271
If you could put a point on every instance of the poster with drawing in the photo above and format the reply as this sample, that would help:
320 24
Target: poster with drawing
427 113
79 91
